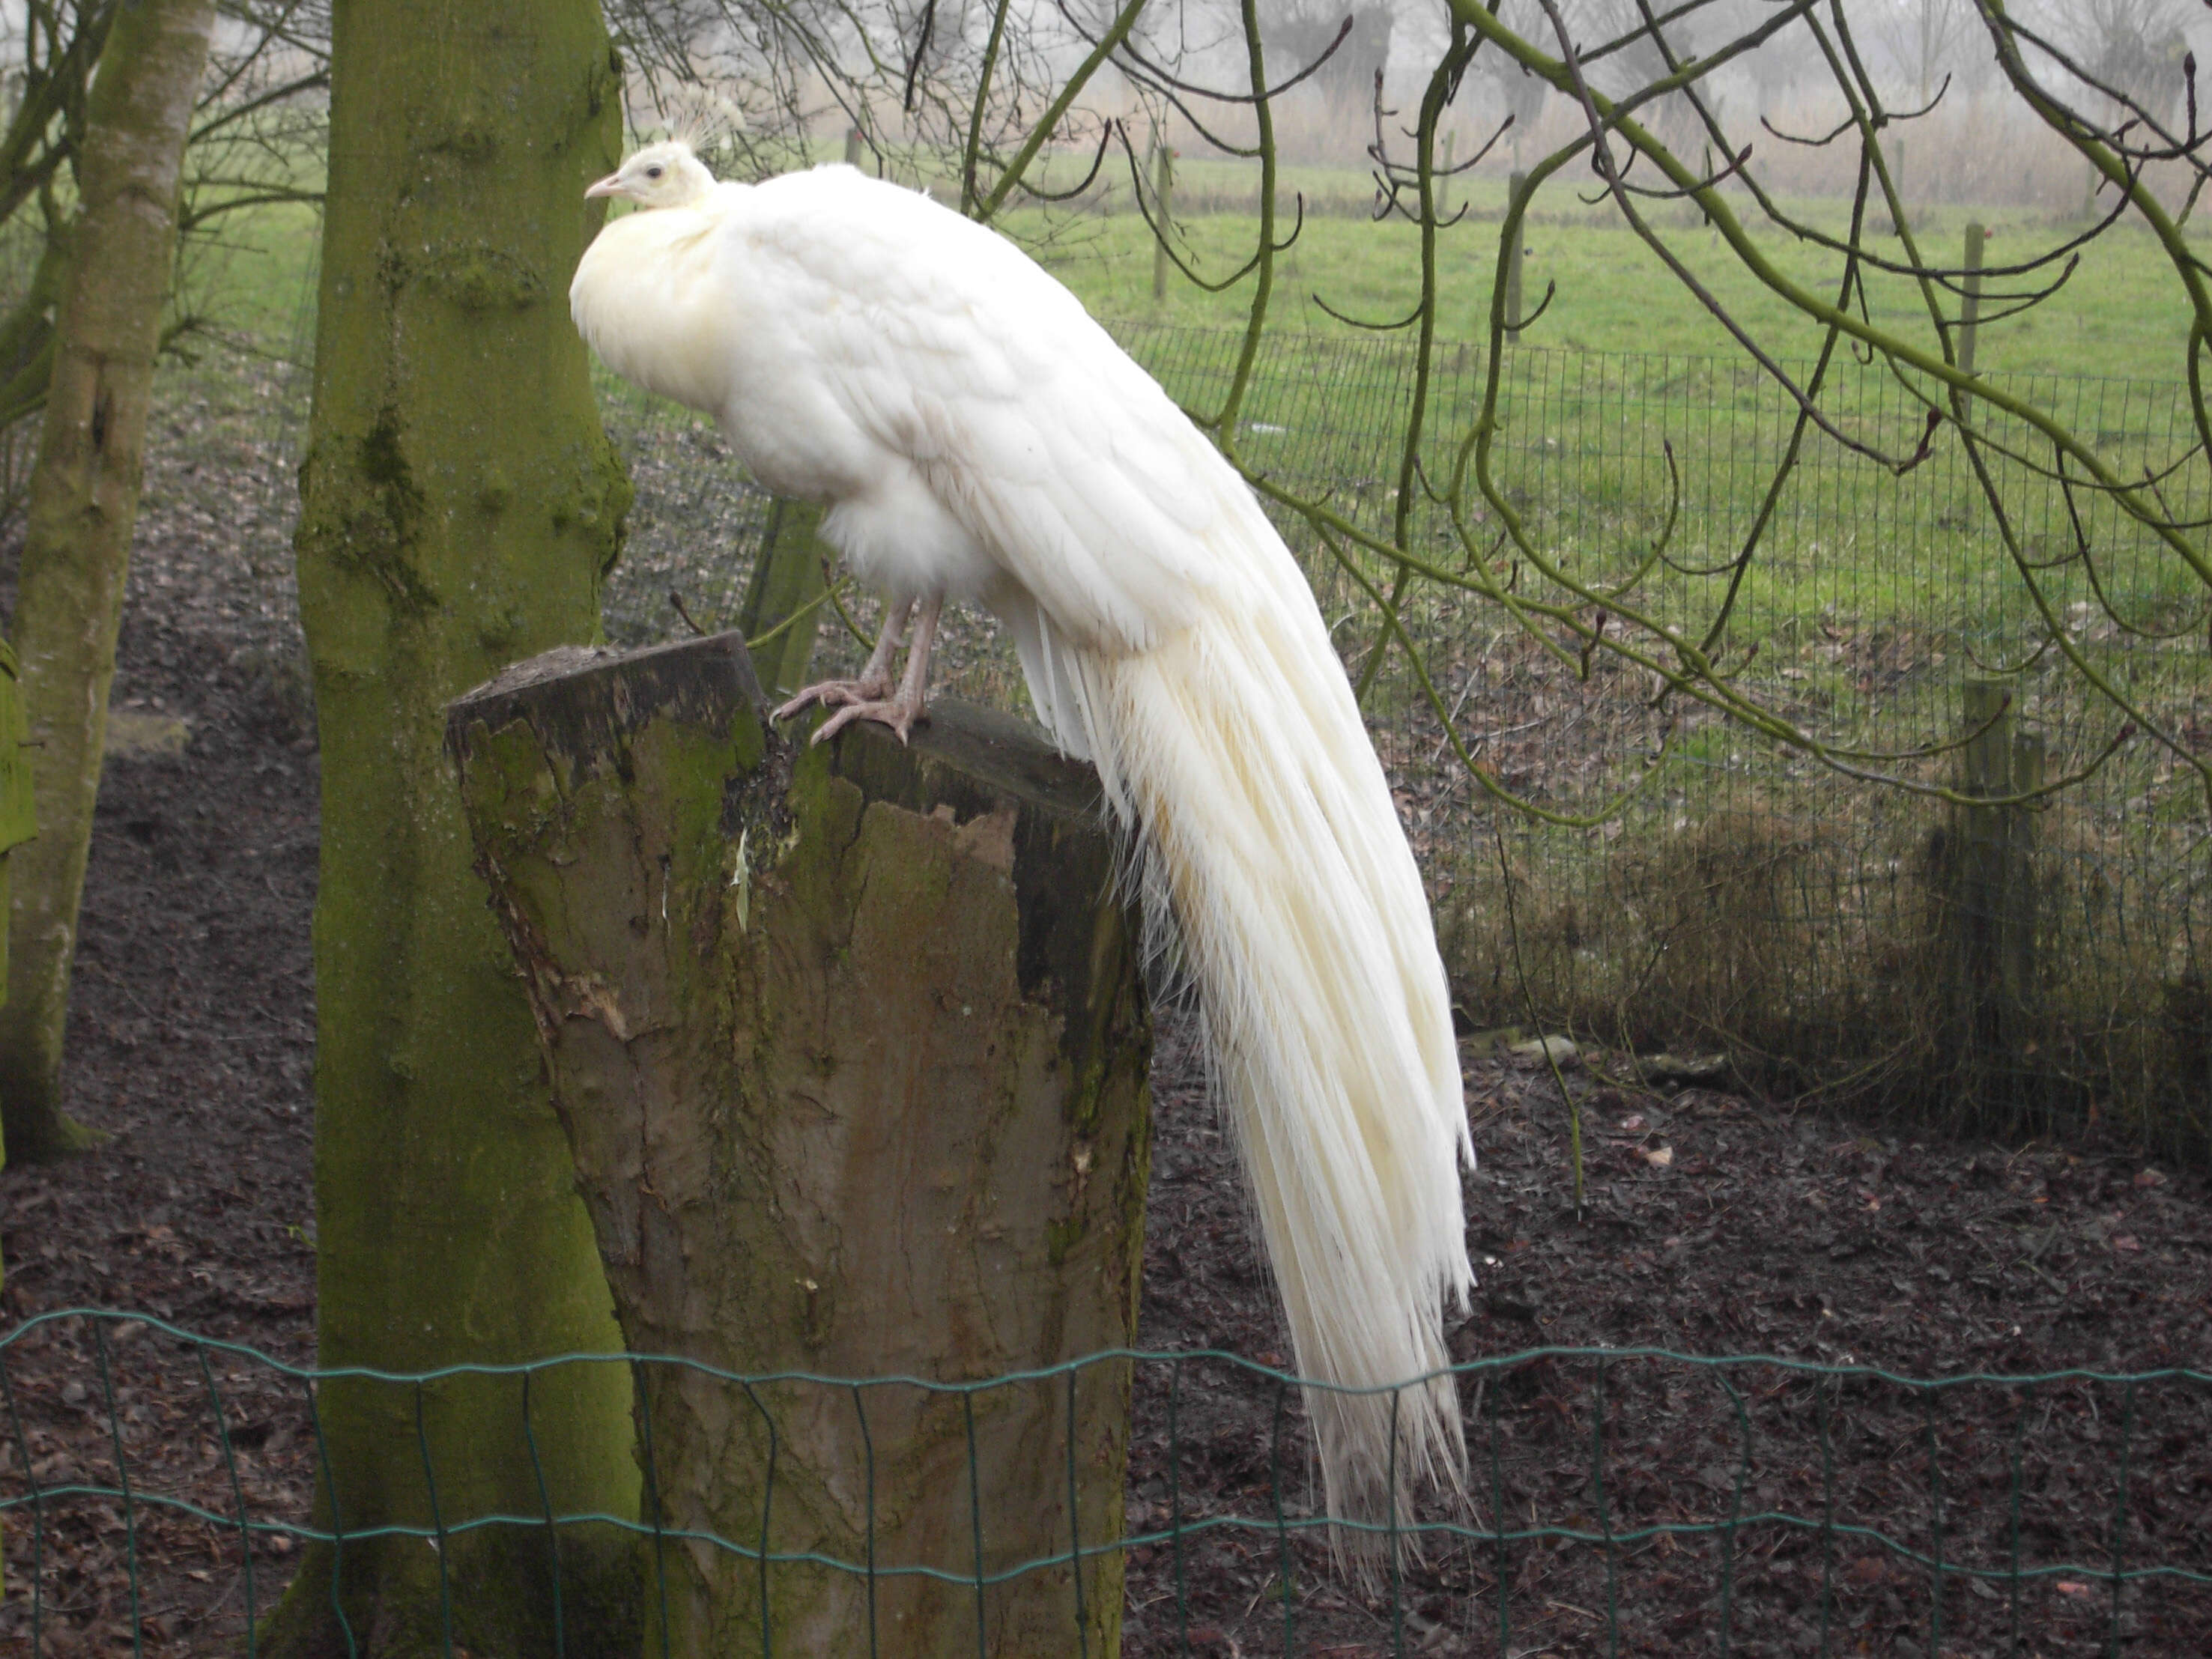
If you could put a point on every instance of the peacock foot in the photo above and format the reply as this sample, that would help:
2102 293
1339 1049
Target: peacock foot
837 694
901 714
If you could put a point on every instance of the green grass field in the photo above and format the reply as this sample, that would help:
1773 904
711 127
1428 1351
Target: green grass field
251 276
2122 313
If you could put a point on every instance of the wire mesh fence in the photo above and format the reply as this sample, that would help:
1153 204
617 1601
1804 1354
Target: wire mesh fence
1825 931
1617 1500
2034 966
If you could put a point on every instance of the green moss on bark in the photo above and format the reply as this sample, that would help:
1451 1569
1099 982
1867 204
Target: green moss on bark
460 504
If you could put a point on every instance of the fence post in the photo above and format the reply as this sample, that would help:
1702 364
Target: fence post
1516 188
2019 909
850 1046
1163 208
855 147
1970 302
1990 909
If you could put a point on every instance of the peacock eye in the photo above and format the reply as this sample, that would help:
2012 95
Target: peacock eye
653 172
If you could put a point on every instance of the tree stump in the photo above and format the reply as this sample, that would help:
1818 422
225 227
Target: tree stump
850 1044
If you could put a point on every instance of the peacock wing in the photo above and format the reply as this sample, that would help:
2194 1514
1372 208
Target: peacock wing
961 358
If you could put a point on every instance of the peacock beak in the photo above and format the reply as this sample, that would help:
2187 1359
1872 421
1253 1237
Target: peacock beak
610 185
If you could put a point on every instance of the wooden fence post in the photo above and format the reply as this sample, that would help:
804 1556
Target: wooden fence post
850 1045
855 147
1991 904
1969 301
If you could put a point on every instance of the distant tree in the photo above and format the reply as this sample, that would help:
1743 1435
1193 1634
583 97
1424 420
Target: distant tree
2134 47
1642 50
1927 39
1782 63
1297 31
1518 94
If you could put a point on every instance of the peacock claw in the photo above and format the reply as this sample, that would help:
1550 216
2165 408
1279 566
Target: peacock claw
896 713
836 694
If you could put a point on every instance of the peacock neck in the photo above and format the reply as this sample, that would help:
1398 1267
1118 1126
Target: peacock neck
644 298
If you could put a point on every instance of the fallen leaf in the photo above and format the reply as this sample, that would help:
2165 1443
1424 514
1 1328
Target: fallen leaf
2071 1587
1657 1157
2123 1242
2150 1178
1635 1122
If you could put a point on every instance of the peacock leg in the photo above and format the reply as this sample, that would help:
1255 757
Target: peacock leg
875 682
911 705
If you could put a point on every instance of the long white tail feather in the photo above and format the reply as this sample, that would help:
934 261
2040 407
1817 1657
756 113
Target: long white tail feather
1234 756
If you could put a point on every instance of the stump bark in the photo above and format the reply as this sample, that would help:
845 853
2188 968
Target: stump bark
850 1044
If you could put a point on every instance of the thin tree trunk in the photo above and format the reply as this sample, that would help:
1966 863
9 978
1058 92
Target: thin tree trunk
83 503
460 506
850 1042
788 580
17 824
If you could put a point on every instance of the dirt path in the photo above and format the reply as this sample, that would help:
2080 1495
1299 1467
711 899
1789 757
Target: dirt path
191 1042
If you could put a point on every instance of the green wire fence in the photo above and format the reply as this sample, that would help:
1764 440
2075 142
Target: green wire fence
1744 897
1744 1503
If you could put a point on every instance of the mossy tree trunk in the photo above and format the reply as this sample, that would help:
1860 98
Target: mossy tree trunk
851 1046
83 503
460 507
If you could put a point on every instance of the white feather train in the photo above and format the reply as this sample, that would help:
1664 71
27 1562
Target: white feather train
978 436
1264 823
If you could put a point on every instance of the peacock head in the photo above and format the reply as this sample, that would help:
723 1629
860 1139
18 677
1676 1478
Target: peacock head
661 175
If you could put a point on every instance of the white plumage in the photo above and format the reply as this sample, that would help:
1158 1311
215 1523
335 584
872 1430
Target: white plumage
976 435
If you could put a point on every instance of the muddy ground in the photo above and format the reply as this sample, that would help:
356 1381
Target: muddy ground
1712 1224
